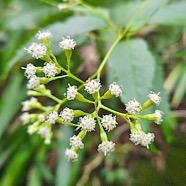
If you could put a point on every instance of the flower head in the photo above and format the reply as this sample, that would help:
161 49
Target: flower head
158 114
106 147
109 122
43 35
27 104
41 117
71 155
33 82
51 119
71 93
44 131
25 118
50 70
30 70
115 89
154 97
31 129
76 142
87 123
139 137
92 86
133 107
67 115
67 43
37 50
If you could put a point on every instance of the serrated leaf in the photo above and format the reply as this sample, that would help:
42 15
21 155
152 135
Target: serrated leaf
132 65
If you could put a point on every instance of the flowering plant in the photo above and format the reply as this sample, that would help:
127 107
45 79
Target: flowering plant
43 118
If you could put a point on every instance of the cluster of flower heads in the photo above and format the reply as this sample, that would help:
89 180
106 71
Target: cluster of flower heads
42 122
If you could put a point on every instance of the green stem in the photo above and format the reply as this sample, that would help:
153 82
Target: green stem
113 111
120 36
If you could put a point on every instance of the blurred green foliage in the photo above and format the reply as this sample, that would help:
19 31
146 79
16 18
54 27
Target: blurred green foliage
153 50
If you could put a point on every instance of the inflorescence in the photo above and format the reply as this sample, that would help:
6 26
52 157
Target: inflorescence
43 119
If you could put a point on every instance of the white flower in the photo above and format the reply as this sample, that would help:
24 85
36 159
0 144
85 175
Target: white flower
33 82
50 70
25 118
67 44
140 137
109 122
92 86
147 139
133 107
106 147
154 97
71 93
47 141
41 117
87 123
27 104
37 50
71 155
44 131
67 115
136 137
30 70
115 89
51 119
76 142
43 35
158 114
31 129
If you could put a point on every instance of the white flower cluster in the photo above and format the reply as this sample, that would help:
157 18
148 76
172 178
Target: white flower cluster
71 93
106 147
27 104
71 155
109 122
67 115
33 82
37 50
76 142
43 35
115 89
92 86
30 70
50 70
52 117
87 123
133 107
67 43
139 137
154 97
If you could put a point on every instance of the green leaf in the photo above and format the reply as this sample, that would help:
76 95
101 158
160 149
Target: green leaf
172 14
122 13
63 172
10 102
26 14
34 178
132 65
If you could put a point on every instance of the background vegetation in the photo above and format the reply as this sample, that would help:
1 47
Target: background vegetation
152 56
